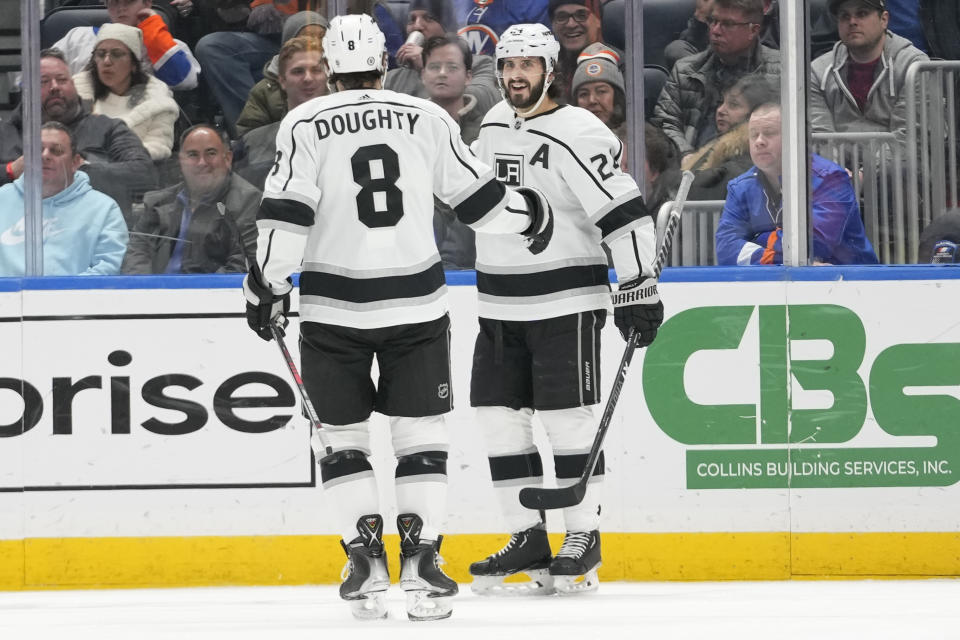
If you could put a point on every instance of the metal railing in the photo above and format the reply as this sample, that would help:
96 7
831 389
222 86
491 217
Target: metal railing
875 161
902 184
932 120
693 244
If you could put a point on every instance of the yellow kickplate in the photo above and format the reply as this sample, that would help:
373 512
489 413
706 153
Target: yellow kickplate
72 563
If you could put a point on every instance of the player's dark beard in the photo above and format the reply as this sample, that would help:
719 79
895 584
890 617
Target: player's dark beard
535 91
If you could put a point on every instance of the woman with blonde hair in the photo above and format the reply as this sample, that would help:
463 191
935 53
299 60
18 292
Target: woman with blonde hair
115 85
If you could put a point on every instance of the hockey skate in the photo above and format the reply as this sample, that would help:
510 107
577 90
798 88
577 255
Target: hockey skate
574 570
365 576
526 552
429 590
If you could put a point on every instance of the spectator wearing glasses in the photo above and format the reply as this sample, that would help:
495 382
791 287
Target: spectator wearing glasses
576 26
859 85
83 229
688 103
433 18
116 86
203 224
168 59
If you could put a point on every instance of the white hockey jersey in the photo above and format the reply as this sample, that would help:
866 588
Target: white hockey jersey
574 159
351 195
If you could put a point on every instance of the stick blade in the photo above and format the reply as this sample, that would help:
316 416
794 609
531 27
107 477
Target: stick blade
546 499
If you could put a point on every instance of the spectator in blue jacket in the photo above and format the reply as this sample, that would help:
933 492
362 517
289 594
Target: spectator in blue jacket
750 230
83 230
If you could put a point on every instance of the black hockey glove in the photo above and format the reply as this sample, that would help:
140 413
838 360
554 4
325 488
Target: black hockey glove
263 305
637 306
540 231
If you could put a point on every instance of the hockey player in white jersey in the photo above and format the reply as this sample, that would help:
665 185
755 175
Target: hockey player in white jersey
540 315
351 198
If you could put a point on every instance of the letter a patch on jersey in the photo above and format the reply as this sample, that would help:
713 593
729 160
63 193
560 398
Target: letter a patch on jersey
542 156
509 169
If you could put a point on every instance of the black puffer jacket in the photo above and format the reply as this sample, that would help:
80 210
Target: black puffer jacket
694 89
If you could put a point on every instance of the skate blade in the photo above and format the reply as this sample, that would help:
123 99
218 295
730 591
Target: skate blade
541 583
371 607
575 585
421 605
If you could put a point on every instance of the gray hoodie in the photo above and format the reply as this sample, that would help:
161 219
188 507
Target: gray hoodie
833 108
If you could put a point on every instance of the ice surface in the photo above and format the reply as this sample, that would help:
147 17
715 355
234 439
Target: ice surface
905 610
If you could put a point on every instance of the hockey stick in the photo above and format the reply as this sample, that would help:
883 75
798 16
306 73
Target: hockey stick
277 334
561 497
292 366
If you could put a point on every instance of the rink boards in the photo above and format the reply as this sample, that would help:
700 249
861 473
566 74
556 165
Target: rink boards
148 438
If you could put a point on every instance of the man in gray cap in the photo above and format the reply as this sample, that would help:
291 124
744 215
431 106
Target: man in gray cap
859 85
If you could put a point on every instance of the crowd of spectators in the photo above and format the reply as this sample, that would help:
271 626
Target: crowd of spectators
113 97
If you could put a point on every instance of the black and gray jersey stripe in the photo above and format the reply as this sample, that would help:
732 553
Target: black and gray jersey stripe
391 289
541 283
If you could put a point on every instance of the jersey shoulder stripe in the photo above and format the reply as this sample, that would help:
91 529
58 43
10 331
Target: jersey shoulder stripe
576 158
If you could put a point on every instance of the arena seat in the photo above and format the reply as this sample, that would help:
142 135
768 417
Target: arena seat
10 53
823 28
59 21
663 20
613 24
398 8
654 77
63 18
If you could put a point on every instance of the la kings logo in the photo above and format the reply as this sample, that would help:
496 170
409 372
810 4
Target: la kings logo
509 169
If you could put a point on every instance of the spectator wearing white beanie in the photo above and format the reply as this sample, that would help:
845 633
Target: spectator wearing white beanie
114 84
